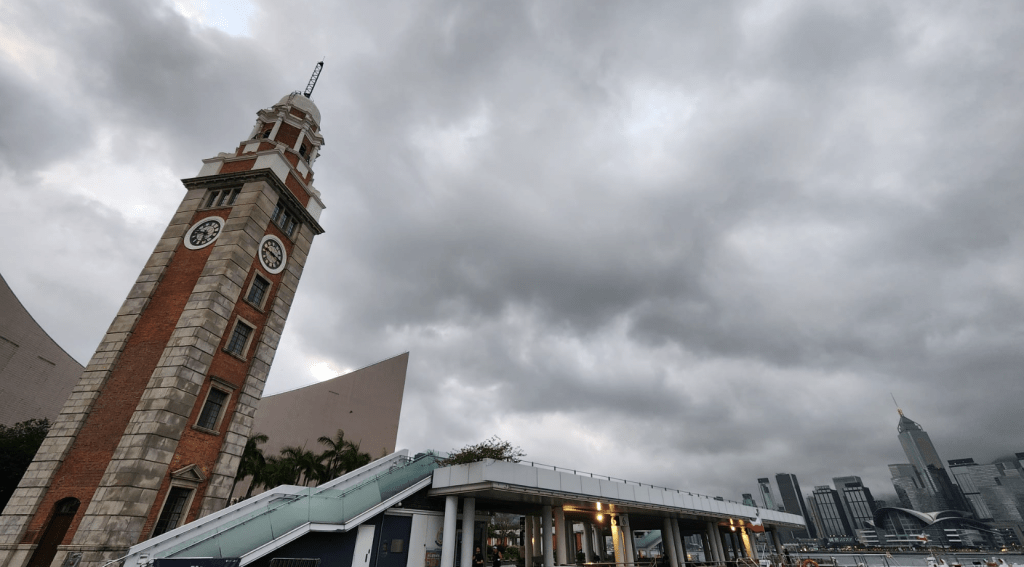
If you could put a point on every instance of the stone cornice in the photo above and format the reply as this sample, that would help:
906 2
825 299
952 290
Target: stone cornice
241 177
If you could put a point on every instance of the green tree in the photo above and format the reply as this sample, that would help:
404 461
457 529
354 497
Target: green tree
503 527
18 444
493 448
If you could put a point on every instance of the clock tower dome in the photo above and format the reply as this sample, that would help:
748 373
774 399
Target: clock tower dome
152 435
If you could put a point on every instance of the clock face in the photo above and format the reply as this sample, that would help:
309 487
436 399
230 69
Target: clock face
272 254
203 233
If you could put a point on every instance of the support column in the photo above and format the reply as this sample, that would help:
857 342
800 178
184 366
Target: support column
748 543
777 541
680 543
545 530
602 543
710 541
718 545
528 541
668 542
451 512
588 543
704 541
538 542
561 540
618 547
468 516
538 539
628 536
570 538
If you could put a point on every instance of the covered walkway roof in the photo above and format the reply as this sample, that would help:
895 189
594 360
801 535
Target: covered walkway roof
523 487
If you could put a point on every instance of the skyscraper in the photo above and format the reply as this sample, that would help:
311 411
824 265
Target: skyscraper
830 517
152 435
995 491
925 484
764 488
792 499
858 504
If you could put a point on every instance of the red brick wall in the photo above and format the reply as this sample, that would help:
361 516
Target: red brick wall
201 448
293 184
287 134
80 473
234 166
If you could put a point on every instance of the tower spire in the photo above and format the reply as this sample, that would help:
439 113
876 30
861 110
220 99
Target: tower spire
897 404
312 80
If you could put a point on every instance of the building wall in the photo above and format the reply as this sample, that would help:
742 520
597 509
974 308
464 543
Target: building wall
366 404
36 375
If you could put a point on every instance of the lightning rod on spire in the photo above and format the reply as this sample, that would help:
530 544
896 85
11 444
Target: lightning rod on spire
897 403
312 80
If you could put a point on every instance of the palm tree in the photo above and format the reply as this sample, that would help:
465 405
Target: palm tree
334 456
354 459
279 470
253 463
341 456
305 465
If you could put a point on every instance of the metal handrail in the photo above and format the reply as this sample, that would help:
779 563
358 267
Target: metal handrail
624 481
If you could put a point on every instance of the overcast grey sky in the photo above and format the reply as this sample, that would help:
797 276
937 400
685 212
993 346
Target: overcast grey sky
682 243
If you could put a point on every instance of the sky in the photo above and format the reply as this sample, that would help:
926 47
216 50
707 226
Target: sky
683 243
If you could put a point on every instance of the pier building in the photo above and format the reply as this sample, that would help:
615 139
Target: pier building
403 511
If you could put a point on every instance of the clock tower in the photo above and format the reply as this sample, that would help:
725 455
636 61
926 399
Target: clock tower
152 435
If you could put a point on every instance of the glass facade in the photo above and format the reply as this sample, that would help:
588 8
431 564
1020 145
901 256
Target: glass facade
832 522
764 487
792 499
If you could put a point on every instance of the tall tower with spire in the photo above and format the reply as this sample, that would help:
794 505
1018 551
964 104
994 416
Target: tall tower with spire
924 484
152 435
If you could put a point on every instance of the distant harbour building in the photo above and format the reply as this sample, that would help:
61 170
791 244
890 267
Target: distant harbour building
858 504
923 484
995 492
860 507
748 500
764 488
829 517
792 500
950 529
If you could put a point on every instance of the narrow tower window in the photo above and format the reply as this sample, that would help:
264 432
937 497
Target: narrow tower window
257 291
215 402
174 510
239 339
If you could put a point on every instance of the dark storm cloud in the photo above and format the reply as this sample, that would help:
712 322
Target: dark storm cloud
687 243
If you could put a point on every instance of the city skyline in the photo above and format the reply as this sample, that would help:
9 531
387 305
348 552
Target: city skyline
722 240
921 452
